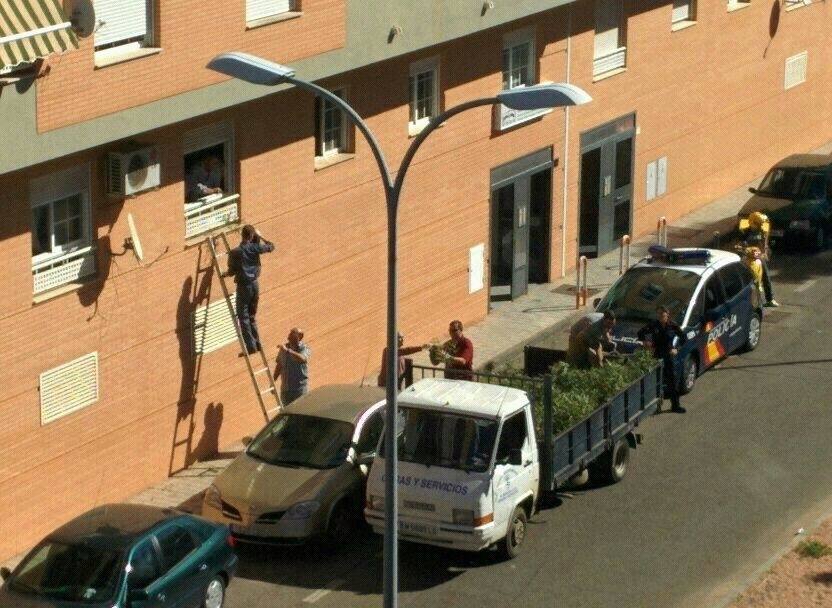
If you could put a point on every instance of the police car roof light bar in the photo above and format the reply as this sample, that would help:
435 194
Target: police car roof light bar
660 253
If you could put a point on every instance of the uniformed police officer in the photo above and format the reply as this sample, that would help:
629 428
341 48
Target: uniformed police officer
659 335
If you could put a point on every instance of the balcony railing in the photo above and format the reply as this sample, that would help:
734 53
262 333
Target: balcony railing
506 118
64 269
612 61
204 216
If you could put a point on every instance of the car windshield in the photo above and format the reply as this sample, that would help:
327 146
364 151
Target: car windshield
641 290
69 572
303 441
437 439
792 182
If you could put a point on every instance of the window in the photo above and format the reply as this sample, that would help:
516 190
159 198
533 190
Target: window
731 281
210 195
519 70
714 297
62 250
424 93
144 566
513 437
637 294
331 136
257 10
123 25
518 64
738 4
370 433
793 4
176 543
683 12
610 52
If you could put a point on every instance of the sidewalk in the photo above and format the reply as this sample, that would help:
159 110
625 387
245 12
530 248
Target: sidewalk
540 317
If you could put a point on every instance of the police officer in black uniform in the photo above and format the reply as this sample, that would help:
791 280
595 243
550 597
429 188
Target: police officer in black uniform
659 335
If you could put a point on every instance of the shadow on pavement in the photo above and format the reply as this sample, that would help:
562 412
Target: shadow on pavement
359 564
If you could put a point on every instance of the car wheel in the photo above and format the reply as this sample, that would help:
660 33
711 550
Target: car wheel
215 593
341 524
755 328
516 533
690 371
819 243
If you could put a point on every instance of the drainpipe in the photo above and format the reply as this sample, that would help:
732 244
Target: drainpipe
566 146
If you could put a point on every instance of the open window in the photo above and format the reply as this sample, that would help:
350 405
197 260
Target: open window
62 244
211 199
513 437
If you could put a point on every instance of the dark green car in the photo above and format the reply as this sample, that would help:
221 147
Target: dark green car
125 556
796 195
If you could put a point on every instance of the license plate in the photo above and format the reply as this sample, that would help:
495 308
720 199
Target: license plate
777 233
246 530
418 528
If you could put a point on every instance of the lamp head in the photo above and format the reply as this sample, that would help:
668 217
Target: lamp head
542 96
250 68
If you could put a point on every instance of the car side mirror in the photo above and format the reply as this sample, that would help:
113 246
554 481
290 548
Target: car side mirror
752 190
137 595
5 573
246 440
515 457
596 302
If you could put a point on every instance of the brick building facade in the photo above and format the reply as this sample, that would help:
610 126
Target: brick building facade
686 106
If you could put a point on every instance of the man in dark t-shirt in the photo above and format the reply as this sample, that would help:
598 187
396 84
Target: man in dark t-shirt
459 358
244 266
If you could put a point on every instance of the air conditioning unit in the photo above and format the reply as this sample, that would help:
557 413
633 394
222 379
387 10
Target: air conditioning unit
132 171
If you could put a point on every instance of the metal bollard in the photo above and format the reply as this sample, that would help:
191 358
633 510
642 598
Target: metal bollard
717 240
624 254
661 231
580 287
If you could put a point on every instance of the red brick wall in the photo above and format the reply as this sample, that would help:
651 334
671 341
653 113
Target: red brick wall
190 33
720 122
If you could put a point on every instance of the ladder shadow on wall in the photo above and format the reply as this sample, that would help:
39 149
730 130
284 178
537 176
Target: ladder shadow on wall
184 451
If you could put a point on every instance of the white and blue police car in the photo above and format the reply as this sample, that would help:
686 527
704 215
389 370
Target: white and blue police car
710 294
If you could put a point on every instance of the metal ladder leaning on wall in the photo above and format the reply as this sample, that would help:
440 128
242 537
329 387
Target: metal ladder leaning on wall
254 374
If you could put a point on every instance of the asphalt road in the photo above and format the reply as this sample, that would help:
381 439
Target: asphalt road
711 496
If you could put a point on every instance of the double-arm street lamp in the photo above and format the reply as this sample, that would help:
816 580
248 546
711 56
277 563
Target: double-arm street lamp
260 71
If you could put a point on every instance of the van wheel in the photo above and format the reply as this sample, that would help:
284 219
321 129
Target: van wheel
516 534
690 371
754 330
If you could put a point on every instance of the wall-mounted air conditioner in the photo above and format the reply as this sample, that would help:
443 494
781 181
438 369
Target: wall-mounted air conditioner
132 171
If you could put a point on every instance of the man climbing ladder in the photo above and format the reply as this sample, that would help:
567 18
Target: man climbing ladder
244 266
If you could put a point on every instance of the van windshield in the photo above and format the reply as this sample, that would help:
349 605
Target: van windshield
446 440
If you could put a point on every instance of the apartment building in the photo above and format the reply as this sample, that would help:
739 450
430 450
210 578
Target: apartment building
116 371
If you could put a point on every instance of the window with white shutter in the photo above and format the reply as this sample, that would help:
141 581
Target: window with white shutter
610 52
123 22
683 11
263 9
68 388
214 327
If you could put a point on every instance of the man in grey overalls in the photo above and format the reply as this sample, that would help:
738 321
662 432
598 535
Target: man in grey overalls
292 367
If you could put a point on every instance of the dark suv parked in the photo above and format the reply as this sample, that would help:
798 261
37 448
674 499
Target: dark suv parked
796 195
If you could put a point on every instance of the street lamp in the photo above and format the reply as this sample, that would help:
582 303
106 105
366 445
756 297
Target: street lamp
260 71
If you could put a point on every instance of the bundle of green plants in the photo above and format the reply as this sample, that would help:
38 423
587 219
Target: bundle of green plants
814 549
576 393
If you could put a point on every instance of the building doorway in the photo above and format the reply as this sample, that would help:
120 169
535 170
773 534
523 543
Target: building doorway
521 205
606 196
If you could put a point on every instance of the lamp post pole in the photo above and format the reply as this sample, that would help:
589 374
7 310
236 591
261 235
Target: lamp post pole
263 72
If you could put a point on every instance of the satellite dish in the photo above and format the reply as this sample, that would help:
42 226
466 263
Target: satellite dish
134 238
83 18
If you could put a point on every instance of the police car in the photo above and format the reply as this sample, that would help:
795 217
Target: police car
710 294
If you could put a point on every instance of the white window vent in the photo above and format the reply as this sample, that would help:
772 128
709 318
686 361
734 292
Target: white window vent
68 388
132 171
796 67
214 326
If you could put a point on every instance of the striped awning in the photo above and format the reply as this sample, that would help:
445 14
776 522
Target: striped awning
31 29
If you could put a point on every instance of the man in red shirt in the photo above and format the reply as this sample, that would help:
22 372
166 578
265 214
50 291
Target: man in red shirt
459 360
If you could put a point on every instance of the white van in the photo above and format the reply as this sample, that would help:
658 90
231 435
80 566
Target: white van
468 466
